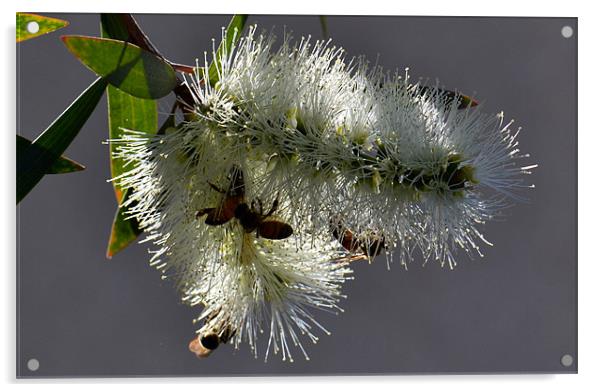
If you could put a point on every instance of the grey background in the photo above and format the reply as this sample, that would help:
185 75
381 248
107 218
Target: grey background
513 311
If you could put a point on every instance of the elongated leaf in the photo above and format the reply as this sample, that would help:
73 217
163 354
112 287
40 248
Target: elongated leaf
64 165
40 25
125 28
60 166
50 145
324 26
123 232
124 65
125 112
113 26
233 33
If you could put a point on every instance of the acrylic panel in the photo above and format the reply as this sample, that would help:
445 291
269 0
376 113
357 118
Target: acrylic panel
513 310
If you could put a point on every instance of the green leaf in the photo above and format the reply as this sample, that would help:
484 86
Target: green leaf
112 26
125 111
123 232
125 28
324 26
65 165
233 33
50 145
45 25
60 166
124 65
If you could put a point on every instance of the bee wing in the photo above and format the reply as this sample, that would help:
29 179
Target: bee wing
274 229
237 182
216 216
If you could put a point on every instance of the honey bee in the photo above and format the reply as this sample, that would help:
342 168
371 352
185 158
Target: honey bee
205 343
250 217
370 243
233 196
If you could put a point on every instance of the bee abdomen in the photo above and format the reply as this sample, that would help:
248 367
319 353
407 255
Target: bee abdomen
275 230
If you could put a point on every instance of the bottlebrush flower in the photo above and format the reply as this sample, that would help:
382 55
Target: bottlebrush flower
347 160
345 140
252 283
246 283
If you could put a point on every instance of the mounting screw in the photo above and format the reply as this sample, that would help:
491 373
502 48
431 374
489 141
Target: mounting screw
33 27
566 360
33 364
566 31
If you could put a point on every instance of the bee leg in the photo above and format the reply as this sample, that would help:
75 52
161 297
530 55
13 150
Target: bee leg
204 211
274 206
216 188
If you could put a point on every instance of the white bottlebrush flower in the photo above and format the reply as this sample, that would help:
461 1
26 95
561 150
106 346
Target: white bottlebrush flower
343 140
250 283
327 147
244 282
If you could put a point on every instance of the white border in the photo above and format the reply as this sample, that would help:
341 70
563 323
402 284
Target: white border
590 173
326 7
